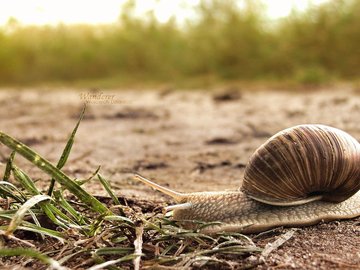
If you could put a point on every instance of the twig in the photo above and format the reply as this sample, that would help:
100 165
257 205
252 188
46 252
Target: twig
14 238
270 247
138 246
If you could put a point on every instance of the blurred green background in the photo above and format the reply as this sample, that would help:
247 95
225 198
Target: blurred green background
225 42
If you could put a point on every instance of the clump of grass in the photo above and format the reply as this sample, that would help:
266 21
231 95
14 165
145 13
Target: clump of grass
79 231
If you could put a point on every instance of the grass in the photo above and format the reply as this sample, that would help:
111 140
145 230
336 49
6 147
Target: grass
65 227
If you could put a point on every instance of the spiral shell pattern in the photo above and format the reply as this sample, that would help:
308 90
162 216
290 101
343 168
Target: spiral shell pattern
302 162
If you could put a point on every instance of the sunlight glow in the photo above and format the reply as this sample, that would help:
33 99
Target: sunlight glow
94 12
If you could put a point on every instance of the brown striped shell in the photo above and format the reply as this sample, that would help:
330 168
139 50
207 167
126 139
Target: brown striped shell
304 163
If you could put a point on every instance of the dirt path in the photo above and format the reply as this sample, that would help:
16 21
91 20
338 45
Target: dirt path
189 141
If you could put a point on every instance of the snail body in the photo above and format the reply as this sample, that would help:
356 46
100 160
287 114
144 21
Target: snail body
298 177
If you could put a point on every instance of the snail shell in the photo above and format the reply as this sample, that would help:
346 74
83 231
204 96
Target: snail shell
304 163
312 169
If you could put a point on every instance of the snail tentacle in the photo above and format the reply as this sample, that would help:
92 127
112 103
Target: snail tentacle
177 196
181 206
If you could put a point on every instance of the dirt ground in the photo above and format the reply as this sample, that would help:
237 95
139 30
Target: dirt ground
188 141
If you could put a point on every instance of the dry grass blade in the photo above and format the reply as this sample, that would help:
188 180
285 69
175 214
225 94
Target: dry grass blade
112 262
236 249
14 238
114 250
270 247
138 246
18 217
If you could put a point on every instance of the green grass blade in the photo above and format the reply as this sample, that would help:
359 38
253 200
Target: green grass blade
8 190
30 227
9 166
80 182
66 152
19 216
108 189
68 208
54 172
8 214
27 183
27 226
52 212
32 254
36 221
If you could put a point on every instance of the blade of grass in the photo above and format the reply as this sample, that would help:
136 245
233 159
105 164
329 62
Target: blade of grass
8 214
66 206
153 226
119 218
231 250
57 174
108 189
9 166
112 262
50 210
32 254
229 236
168 249
27 226
40 230
36 221
6 188
114 250
27 183
80 182
19 216
66 152
68 257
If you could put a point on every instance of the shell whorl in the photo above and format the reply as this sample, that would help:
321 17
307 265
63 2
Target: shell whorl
304 163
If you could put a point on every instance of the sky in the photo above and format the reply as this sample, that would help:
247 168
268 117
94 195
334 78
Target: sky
97 11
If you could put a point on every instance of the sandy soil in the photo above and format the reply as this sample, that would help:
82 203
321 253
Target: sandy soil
188 141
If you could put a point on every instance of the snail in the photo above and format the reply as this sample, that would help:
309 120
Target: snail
300 176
